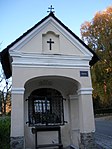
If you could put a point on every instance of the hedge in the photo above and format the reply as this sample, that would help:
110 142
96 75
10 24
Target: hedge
5 132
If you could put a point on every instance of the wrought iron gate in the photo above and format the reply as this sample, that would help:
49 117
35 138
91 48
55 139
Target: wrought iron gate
45 110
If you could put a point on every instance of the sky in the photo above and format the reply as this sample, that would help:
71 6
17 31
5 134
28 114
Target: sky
17 16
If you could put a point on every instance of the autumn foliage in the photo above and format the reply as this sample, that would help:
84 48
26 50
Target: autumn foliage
97 34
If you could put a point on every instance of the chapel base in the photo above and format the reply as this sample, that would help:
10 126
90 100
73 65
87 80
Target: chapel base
17 142
87 141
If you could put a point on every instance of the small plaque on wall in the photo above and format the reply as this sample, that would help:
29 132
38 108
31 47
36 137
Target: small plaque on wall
83 73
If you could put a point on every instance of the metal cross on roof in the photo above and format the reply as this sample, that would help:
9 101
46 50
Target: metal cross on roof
50 9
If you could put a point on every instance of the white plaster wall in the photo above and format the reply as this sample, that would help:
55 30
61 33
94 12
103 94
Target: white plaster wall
86 118
74 116
54 46
22 74
36 45
17 115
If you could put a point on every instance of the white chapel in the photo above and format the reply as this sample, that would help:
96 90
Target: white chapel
51 88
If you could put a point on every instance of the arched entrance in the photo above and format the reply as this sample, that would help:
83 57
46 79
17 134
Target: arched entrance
51 101
45 107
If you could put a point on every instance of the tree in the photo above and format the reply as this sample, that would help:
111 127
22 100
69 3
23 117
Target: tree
5 82
97 34
5 94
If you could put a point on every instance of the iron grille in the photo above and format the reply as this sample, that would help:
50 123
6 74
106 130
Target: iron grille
46 110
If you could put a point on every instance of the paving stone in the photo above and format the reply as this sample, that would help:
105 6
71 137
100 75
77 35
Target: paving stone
103 141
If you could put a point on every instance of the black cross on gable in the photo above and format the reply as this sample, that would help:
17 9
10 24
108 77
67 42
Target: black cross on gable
50 43
50 9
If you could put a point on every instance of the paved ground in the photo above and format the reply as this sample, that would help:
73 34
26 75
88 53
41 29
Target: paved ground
103 135
104 142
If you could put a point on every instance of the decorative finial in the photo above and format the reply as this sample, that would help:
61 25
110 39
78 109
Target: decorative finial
50 9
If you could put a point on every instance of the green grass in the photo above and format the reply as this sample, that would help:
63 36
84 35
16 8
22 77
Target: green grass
5 132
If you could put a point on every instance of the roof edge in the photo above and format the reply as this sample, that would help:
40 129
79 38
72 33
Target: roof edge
94 59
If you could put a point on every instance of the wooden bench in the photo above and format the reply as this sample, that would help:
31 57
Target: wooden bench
47 128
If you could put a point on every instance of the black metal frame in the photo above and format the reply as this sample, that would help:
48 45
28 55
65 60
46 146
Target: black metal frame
45 110
46 113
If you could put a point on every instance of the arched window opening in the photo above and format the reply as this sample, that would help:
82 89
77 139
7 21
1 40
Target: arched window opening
45 107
